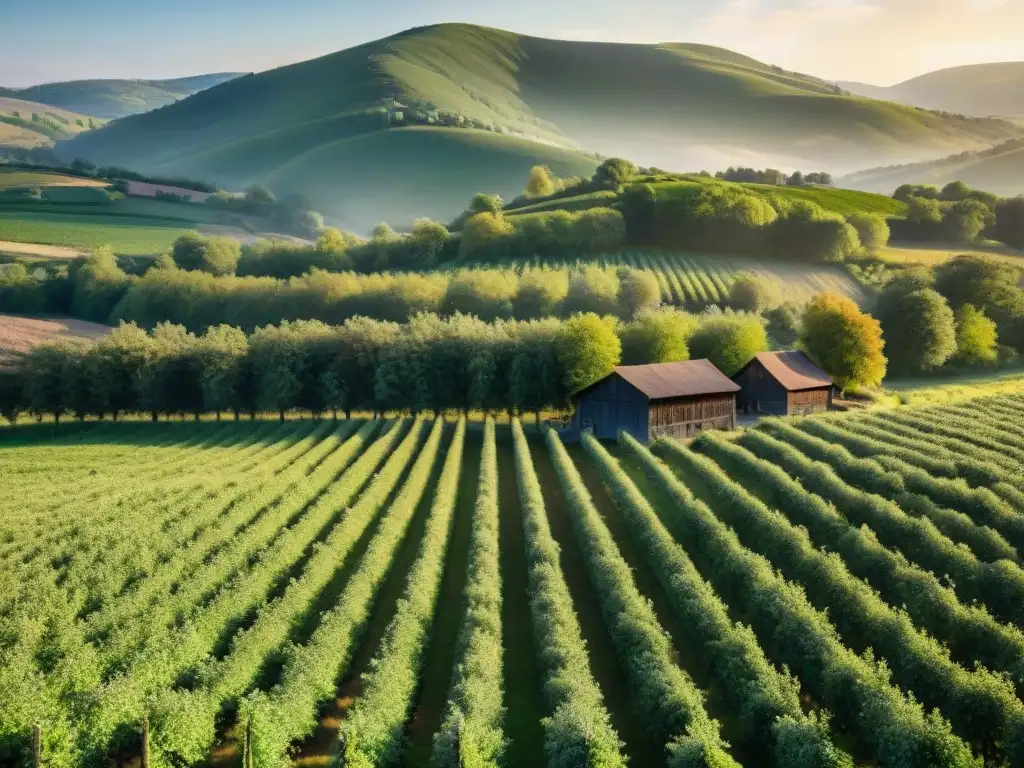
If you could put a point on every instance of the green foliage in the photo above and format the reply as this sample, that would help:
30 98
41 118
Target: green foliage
1009 226
373 730
592 289
729 340
765 700
754 293
216 255
614 172
588 350
657 336
670 703
872 230
919 329
487 295
579 731
309 674
845 342
540 183
471 733
976 337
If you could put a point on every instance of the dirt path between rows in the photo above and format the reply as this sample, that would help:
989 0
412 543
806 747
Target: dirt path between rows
38 249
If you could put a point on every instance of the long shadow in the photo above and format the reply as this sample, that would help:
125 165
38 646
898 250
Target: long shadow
610 674
658 499
524 694
689 653
319 748
440 655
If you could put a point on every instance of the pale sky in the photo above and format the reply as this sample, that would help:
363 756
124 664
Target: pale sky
875 41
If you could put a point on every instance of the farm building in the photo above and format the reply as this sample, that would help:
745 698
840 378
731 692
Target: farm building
649 401
783 384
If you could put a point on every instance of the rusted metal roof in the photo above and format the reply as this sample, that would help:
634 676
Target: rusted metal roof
684 379
793 370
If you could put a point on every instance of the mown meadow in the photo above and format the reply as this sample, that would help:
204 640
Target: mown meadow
826 591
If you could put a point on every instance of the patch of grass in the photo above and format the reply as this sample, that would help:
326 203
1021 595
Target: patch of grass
952 387
908 254
126 236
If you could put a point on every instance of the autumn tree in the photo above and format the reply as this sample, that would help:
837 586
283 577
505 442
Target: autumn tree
844 341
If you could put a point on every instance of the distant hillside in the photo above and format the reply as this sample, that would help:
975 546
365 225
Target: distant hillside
27 124
676 106
999 169
980 90
112 99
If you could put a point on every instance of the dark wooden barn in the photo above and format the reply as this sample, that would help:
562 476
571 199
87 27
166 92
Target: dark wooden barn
649 401
783 384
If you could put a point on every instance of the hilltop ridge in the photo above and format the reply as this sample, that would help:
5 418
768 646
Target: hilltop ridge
344 127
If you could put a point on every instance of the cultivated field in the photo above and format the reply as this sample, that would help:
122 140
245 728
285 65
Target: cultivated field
401 591
695 281
14 177
128 236
19 334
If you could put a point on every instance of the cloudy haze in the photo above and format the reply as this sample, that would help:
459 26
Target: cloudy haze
875 41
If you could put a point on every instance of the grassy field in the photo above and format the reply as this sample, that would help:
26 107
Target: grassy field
932 256
82 216
15 177
314 576
134 236
282 126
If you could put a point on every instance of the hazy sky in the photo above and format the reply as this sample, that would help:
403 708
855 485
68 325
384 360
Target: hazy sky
876 41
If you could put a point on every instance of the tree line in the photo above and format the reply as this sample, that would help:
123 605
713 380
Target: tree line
774 177
958 214
429 364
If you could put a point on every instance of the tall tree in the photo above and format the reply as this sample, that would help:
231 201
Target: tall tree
844 341
588 350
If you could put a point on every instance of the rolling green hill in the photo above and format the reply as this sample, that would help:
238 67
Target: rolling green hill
112 99
980 90
999 169
699 106
29 124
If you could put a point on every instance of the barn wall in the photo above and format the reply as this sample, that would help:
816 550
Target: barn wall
685 417
611 406
810 401
761 392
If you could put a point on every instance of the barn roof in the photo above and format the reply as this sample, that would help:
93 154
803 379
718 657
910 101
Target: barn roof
684 379
792 369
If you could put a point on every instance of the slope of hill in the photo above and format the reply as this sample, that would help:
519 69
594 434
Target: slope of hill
112 99
29 124
979 89
700 106
999 169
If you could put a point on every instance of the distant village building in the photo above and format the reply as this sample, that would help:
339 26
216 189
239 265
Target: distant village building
650 401
783 384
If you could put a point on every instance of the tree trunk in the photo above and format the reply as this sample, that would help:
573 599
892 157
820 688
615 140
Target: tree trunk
281 413
154 416
334 413
56 418
218 416
145 740
196 416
